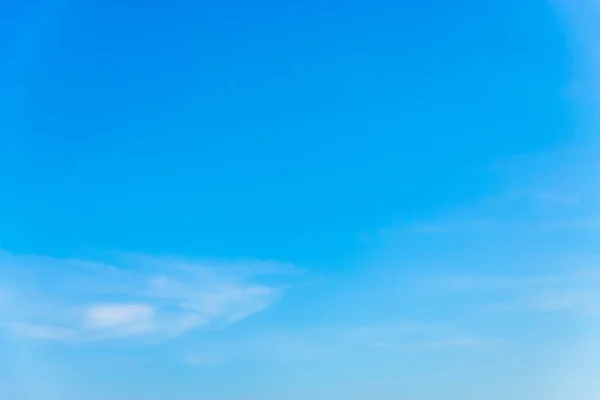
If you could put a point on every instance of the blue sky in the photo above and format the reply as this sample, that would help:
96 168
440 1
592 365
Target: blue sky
346 200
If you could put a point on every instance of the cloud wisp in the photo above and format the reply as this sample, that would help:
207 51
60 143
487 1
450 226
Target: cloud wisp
325 343
78 300
576 292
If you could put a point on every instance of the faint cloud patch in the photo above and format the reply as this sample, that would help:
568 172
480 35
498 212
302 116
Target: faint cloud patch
119 319
45 332
459 342
336 343
576 292
202 361
134 296
548 197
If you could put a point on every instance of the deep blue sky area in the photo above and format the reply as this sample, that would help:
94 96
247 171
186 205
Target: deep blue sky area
268 129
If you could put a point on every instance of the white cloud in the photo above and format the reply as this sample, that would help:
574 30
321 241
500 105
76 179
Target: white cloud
134 296
120 319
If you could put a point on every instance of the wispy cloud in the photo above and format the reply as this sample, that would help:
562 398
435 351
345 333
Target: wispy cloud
575 292
121 319
337 342
133 296
584 224
457 342
42 331
202 361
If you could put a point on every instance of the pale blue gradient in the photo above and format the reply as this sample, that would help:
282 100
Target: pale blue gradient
343 200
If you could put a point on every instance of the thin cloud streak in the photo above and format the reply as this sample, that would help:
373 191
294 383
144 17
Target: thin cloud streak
76 300
336 342
460 342
576 292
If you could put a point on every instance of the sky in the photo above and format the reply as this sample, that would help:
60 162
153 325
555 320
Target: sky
327 200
